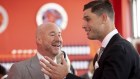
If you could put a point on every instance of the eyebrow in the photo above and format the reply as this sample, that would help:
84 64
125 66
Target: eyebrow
54 32
85 17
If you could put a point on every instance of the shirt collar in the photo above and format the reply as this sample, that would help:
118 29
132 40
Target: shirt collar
108 37
42 57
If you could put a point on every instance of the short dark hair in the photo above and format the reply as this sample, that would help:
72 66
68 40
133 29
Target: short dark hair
101 6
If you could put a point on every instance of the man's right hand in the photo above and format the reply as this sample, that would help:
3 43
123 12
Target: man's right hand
53 70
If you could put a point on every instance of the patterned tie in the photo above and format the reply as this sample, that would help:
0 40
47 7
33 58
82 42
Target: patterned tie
100 53
97 57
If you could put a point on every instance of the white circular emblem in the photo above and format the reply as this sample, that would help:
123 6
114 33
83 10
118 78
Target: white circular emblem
3 19
52 12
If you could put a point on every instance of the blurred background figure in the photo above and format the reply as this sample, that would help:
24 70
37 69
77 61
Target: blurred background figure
91 67
2 72
90 71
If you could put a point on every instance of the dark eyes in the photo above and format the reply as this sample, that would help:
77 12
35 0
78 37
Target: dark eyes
87 19
53 34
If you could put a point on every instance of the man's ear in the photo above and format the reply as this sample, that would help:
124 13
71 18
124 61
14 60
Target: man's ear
104 18
38 40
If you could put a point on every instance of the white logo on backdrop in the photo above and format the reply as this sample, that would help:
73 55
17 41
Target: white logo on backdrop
3 19
52 12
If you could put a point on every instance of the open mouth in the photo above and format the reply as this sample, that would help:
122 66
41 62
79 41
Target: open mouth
87 30
56 44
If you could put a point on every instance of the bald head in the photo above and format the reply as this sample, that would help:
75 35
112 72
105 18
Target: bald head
43 27
48 39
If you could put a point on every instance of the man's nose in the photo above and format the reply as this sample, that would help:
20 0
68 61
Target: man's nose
58 38
84 26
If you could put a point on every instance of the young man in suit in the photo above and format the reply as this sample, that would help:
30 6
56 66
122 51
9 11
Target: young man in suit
118 59
49 43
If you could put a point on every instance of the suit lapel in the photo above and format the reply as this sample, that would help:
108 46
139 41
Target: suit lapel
35 69
111 42
114 39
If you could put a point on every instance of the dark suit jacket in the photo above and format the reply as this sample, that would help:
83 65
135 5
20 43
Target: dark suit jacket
119 61
28 69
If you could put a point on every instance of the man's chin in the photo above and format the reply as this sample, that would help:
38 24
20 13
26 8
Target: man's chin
91 38
55 53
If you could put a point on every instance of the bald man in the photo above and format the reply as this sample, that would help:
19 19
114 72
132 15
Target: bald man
49 43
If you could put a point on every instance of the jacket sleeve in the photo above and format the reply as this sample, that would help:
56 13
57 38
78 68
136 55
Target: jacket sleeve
71 76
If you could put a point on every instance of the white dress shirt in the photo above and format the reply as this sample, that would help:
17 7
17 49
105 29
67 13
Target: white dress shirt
108 37
42 57
55 60
90 75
